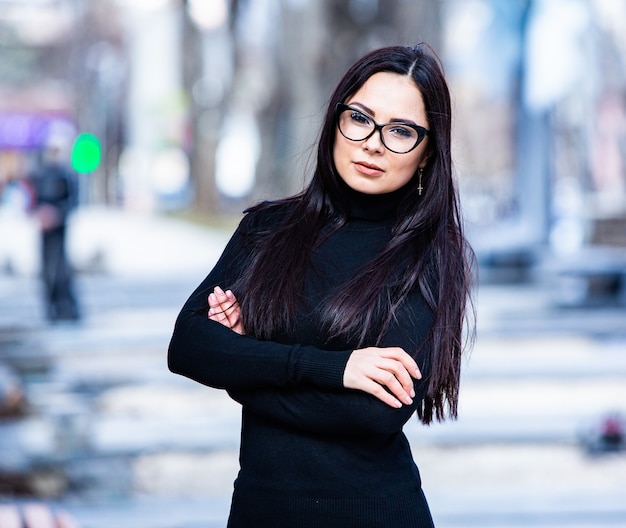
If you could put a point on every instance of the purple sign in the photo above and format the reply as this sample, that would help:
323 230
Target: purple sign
21 130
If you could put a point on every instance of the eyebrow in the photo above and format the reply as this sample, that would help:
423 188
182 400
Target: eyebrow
373 114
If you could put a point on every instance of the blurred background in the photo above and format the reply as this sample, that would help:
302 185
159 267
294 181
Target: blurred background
171 116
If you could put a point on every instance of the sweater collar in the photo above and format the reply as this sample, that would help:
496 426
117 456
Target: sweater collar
372 207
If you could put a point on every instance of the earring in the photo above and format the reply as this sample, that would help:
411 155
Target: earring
419 183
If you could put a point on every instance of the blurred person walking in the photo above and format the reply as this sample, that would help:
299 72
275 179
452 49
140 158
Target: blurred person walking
56 195
333 316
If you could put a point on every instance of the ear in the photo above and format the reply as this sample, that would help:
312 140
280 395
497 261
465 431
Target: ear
424 162
427 155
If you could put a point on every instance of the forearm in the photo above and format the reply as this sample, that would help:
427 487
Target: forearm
327 411
213 355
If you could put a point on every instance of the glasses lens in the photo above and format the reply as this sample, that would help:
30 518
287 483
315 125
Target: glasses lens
355 125
399 138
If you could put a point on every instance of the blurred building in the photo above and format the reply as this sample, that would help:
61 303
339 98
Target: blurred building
540 139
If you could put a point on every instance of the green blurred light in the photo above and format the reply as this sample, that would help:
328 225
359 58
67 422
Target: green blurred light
86 153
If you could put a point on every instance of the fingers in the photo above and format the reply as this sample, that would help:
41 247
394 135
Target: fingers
403 367
395 377
224 308
217 312
233 313
379 392
221 305
386 373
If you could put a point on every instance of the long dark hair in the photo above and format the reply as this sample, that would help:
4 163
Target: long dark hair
427 248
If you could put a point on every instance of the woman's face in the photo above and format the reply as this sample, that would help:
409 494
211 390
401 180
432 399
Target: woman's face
368 166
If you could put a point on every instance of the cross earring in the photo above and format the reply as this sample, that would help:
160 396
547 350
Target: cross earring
419 183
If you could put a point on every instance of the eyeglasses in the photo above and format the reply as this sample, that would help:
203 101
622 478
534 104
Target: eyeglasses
398 137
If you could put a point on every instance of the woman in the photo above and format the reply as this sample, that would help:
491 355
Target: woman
336 314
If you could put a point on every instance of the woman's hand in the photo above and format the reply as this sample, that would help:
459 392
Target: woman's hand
224 308
376 370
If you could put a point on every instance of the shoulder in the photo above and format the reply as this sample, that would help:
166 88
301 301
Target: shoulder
267 216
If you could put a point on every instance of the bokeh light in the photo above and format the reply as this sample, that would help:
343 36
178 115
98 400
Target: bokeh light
86 153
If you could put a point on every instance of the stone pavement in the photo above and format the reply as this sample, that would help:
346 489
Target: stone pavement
118 441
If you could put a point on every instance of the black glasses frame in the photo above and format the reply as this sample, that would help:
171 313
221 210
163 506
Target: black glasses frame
421 131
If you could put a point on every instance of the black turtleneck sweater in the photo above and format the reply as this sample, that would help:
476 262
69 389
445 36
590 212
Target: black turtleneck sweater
313 454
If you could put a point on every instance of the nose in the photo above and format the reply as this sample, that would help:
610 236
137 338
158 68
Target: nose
374 143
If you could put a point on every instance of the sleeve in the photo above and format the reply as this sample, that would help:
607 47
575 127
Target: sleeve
344 411
213 355
328 412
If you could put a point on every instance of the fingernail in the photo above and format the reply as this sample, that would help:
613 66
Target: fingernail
397 404
218 289
212 297
412 393
418 374
408 400
229 294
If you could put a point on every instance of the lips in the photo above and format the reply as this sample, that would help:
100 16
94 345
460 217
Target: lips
369 169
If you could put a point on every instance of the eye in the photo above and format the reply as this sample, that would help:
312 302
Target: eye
360 118
401 131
